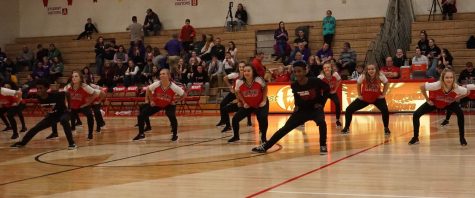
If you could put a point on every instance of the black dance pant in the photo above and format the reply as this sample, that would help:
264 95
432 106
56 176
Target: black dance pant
261 114
88 113
227 106
426 108
51 118
336 101
359 104
148 111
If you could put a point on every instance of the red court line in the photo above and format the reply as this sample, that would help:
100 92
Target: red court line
314 170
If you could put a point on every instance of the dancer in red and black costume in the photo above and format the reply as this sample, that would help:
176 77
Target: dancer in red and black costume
251 91
161 96
10 103
444 94
96 107
80 97
229 102
369 92
334 81
309 99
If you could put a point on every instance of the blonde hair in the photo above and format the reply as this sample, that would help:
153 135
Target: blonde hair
442 75
331 68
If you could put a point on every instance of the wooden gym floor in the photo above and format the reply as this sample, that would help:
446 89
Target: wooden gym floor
202 164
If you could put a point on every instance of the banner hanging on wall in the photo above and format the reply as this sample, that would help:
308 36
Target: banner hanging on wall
58 10
186 2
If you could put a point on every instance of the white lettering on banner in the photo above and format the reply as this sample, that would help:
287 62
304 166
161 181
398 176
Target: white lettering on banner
186 2
57 10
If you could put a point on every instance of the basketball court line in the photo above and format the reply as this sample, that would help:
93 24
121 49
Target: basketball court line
349 194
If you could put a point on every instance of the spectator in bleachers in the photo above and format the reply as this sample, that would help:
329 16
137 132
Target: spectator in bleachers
218 49
183 71
8 70
446 58
100 50
233 50
301 38
30 82
324 54
298 58
399 58
358 72
25 58
41 52
257 64
137 57
187 36
347 60
200 76
194 57
448 9
3 57
155 75
423 43
119 72
281 37
146 72
130 74
229 63
41 71
439 69
134 45
174 49
136 30
110 50
305 52
280 74
152 23
314 68
389 70
53 52
419 58
198 45
56 70
88 75
121 54
149 53
216 72
89 28
205 54
433 54
467 76
328 25
240 16
193 64
108 76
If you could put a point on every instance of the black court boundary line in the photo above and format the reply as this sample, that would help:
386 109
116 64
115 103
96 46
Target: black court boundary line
96 164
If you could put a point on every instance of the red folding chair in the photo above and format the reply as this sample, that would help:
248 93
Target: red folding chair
116 99
193 97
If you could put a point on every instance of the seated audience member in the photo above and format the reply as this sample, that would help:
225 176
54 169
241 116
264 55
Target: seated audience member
137 57
110 50
423 43
53 52
240 16
41 52
183 71
131 74
433 54
158 58
89 28
324 54
136 30
119 72
41 71
200 76
155 75
448 9
446 58
229 63
389 70
25 58
218 49
301 38
438 71
108 76
419 58
146 72
400 58
347 60
152 23
30 83
149 53
193 64
56 70
232 49
205 53
298 57
257 64
8 69
198 45
194 57
467 76
216 72
280 74
358 72
88 75
305 52
187 36
121 54
314 68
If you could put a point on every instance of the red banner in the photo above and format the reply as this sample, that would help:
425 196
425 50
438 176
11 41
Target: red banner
45 3
70 2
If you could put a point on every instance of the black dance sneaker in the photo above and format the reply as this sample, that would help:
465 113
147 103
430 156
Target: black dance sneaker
148 128
414 140
226 128
338 123
260 149
233 139
52 136
89 136
444 123
14 136
387 131
220 123
174 138
8 128
17 145
72 147
463 142
139 137
345 131
323 150
23 130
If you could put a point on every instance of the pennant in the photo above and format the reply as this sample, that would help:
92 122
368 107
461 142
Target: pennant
45 3
70 2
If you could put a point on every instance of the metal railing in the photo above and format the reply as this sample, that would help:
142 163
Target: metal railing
395 32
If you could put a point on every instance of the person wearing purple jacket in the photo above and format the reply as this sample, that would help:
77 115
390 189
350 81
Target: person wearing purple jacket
324 54
173 48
